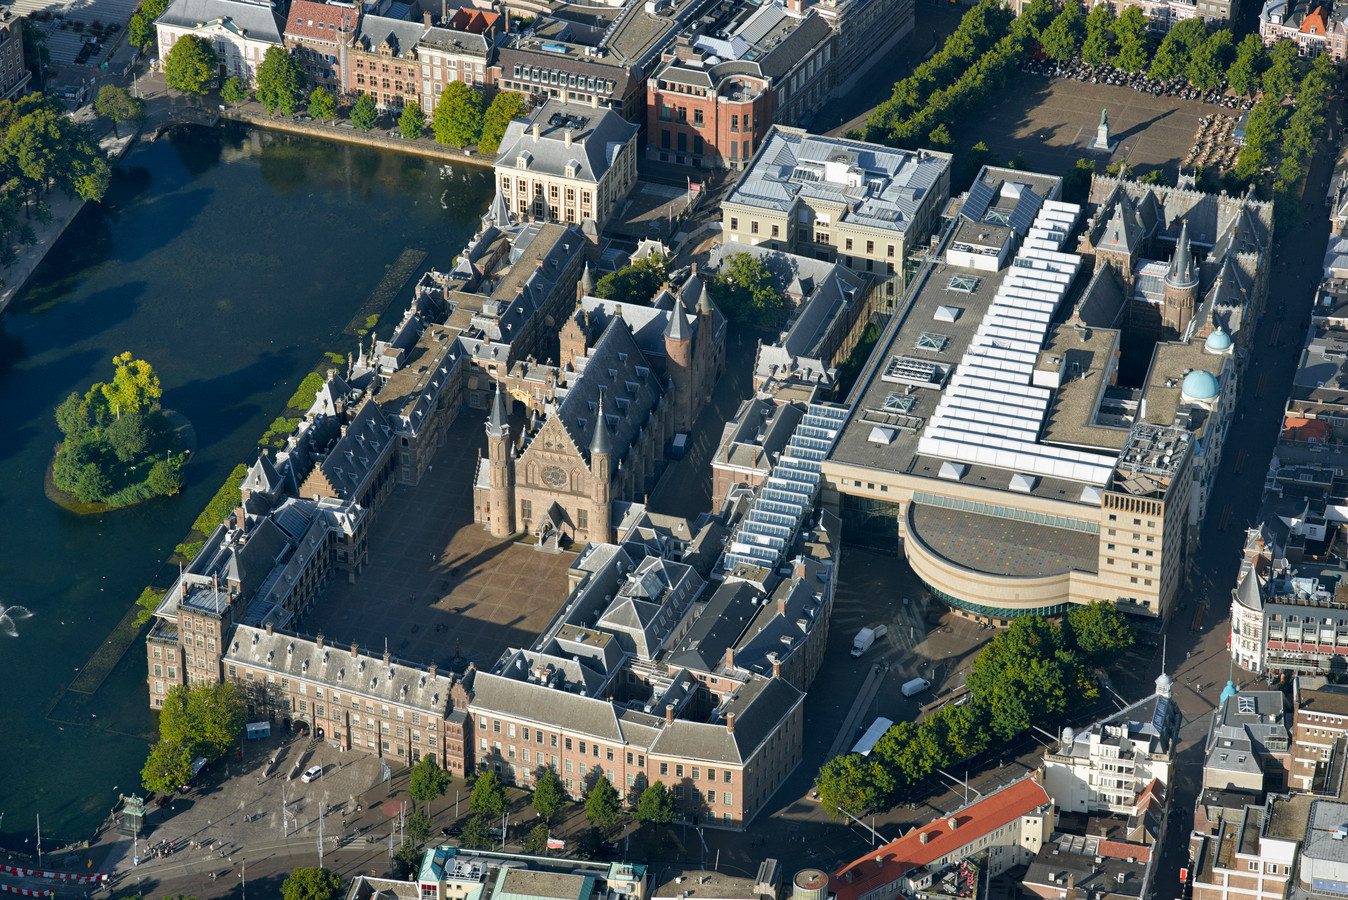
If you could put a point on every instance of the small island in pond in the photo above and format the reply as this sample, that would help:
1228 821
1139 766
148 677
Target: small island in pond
120 447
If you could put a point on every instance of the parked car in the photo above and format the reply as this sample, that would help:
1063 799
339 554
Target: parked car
311 773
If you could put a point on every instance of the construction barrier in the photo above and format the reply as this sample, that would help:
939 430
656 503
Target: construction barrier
62 876
24 892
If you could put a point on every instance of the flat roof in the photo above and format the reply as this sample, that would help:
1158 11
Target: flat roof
1001 546
1085 356
1170 362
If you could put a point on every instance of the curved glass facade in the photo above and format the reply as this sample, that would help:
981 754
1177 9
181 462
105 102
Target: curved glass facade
996 612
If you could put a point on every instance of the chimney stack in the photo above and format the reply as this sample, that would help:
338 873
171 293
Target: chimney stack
241 515
730 657
776 668
781 606
433 670
269 629
669 713
568 137
319 640
730 723
922 838
952 823
387 656
426 19
355 650
538 132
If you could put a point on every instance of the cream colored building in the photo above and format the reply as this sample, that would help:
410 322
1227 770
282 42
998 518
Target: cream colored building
980 444
862 205
567 163
240 32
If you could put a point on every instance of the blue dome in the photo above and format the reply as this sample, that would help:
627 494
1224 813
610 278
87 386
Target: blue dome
1228 692
1200 385
1218 342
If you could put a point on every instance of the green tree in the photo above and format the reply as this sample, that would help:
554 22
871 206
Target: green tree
118 105
43 146
475 835
322 105
1099 46
548 795
745 291
458 116
418 826
1130 30
1022 678
135 386
72 416
168 767
233 91
505 107
940 138
1171 60
590 843
427 781
488 794
656 806
128 436
407 859
141 30
165 478
847 783
206 719
601 803
1063 37
412 122
191 66
1247 70
93 485
1209 62
310 883
280 83
1076 184
364 115
1280 80
636 283
536 841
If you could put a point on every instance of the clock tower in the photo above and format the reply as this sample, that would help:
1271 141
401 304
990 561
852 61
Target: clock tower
501 494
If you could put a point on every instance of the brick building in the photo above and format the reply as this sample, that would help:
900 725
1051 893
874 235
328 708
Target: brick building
384 63
14 74
320 35
1314 26
461 49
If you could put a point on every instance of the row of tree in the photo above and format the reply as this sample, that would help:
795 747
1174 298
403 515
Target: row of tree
196 720
1304 128
1033 674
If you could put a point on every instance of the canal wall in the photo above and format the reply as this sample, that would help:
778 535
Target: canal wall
422 146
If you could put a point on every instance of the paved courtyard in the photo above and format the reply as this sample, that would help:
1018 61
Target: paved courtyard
439 586
1053 122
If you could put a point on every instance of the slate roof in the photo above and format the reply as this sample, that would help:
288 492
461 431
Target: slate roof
546 706
262 477
725 617
610 368
454 39
256 21
310 20
1238 740
758 706
400 34
359 452
593 147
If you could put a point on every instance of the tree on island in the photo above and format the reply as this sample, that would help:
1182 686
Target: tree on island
322 105
637 282
279 82
505 107
458 116
412 122
118 105
427 781
310 883
233 91
191 65
364 115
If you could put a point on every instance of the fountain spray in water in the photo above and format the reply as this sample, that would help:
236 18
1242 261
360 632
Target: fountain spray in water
9 615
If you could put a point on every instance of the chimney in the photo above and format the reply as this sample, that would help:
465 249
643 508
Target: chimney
594 101
694 269
241 515
433 669
781 606
922 838
355 651
730 723
776 668
568 137
879 862
444 10
319 641
426 19
387 656
952 823
730 657
669 713
269 629
538 132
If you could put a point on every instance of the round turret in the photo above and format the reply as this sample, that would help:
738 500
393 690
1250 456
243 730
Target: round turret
1218 342
1200 386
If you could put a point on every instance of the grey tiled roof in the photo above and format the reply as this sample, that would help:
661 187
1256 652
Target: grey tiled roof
401 34
256 19
546 706
610 368
719 626
758 706
593 146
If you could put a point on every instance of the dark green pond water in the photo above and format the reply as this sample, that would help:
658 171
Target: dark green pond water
231 260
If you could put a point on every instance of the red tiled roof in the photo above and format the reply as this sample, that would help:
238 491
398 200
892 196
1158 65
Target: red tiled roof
1314 23
473 21
1125 850
319 21
907 853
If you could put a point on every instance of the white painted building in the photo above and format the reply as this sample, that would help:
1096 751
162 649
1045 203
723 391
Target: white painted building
240 31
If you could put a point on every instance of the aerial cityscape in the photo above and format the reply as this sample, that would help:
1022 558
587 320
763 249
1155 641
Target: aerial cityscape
674 449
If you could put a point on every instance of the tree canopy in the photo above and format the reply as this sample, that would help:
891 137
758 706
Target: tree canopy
140 30
601 803
1099 632
412 122
1247 70
365 115
1130 31
118 105
1100 44
1063 37
427 781
548 795
311 883
168 767
656 805
458 115
505 107
322 105
208 718
745 292
280 83
190 66
233 91
475 835
1209 61
637 282
488 794
1280 79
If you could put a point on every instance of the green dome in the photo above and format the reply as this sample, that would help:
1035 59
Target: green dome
1200 385
1218 342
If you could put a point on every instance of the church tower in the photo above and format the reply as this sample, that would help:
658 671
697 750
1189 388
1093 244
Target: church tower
679 365
1181 286
601 459
501 494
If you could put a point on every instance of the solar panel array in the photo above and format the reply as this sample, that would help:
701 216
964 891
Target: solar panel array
786 499
990 413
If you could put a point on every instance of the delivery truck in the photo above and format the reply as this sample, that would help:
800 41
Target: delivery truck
867 636
915 686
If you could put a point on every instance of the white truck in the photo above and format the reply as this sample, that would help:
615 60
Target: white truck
867 636
915 686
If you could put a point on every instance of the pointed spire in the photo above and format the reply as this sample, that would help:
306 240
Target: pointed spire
677 327
602 442
587 281
498 423
704 304
1181 272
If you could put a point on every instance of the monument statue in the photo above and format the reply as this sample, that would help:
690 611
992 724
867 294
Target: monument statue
1101 141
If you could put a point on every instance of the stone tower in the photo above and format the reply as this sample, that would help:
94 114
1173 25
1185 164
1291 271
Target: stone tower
1181 286
585 288
601 459
501 494
679 364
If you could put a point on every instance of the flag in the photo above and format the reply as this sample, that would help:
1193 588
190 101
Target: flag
556 844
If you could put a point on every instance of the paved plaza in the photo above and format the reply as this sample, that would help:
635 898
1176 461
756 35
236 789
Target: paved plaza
1053 122
438 586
